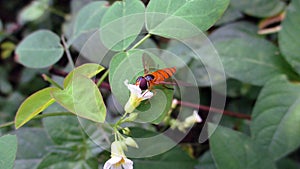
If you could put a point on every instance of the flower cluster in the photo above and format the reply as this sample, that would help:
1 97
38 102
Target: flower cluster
188 122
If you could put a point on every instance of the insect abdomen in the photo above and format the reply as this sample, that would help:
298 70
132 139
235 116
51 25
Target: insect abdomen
162 74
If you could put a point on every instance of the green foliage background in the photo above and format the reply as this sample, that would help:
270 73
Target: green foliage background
262 77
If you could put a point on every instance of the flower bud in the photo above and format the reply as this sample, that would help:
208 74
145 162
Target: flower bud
130 142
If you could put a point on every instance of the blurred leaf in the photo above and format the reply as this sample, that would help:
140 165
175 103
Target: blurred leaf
233 150
128 65
32 143
231 14
8 149
122 24
241 29
6 49
89 70
259 8
60 161
33 11
33 105
177 18
180 50
288 163
5 86
288 41
63 129
206 161
83 98
1 25
251 60
70 126
175 159
26 164
89 18
40 49
73 146
276 119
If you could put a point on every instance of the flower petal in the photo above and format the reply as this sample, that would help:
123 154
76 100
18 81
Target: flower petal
110 163
128 164
198 119
147 95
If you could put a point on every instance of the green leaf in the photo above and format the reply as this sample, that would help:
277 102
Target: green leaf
234 150
288 36
89 70
8 149
83 98
206 161
276 119
231 14
288 163
71 127
122 24
33 105
55 160
251 60
259 8
89 18
40 49
33 143
33 11
177 18
241 29
128 66
175 159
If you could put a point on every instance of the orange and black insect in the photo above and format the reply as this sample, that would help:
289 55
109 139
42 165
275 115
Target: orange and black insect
154 78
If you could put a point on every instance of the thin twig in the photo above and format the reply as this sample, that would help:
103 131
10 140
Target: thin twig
39 117
206 108
141 41
66 48
48 79
102 78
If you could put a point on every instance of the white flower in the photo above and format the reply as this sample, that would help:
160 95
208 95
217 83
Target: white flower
117 162
136 97
191 120
118 159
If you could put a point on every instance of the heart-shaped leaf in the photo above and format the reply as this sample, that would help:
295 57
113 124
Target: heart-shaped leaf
83 98
89 70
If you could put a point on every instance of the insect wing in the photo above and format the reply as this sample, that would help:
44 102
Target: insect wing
148 63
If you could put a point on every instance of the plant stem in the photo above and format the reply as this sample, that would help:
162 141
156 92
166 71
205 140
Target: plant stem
66 48
206 108
39 117
48 79
7 124
102 77
56 12
141 41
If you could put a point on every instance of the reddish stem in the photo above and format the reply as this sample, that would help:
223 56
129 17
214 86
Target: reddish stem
206 108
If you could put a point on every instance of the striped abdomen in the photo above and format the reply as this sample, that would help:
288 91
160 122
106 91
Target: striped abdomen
162 74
